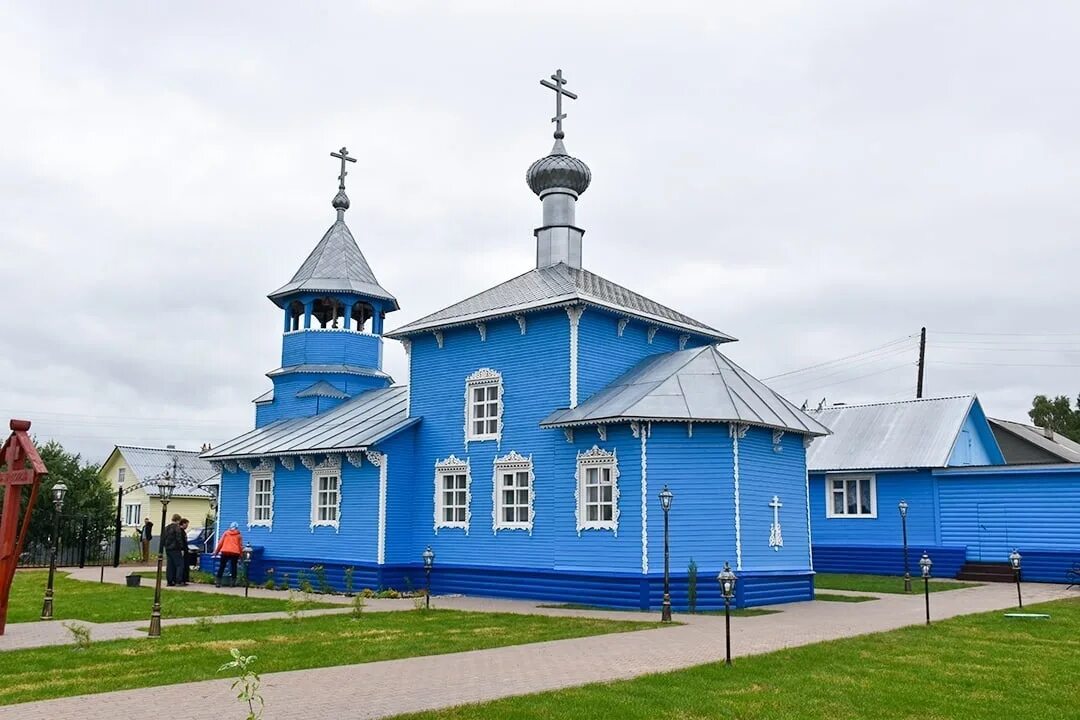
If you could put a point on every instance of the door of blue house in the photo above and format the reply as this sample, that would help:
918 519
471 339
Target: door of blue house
993 533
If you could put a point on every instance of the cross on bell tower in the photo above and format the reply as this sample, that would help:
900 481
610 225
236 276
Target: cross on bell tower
341 200
557 86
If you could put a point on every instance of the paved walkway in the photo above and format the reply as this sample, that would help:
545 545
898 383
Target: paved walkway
392 687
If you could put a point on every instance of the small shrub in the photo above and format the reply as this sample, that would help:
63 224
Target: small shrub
349 580
303 583
367 592
320 579
283 584
691 585
270 583
135 556
294 606
357 607
388 594
247 680
204 623
420 602
202 577
80 635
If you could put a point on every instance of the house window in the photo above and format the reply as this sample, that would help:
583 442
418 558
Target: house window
261 510
512 502
851 496
121 473
452 494
597 490
483 405
326 493
132 513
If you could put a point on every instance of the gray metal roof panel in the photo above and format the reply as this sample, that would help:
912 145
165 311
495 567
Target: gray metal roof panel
322 369
1059 445
336 265
357 423
905 434
555 285
699 384
146 463
323 389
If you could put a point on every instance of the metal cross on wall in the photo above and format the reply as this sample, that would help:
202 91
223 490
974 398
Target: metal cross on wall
343 155
557 86
776 539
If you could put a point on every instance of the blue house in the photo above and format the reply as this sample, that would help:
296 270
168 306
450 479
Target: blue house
964 505
539 422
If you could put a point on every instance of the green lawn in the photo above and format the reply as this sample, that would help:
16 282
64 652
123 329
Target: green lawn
832 597
94 602
979 667
881 583
189 653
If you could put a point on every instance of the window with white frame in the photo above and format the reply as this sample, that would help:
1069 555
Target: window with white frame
512 503
326 493
132 513
483 405
261 494
121 474
852 496
597 490
452 494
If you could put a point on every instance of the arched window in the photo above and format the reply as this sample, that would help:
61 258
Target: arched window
329 312
361 317
296 315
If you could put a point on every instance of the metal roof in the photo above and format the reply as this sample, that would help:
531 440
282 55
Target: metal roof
356 424
905 434
323 389
557 285
1057 444
324 369
689 385
146 463
336 265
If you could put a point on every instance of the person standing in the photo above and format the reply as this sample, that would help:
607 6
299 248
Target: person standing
185 567
146 535
229 549
174 551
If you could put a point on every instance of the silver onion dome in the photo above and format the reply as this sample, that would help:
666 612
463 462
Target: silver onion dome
341 201
558 170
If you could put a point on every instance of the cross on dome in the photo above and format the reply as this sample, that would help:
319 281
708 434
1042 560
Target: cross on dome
557 86
341 200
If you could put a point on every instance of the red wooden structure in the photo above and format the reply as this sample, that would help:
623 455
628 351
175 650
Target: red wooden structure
22 468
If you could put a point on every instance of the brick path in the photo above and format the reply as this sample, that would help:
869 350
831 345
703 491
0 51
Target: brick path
392 687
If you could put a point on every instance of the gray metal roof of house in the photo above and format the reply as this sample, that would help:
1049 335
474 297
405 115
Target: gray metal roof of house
905 434
323 369
557 285
1058 444
323 389
699 385
267 396
356 424
336 265
146 463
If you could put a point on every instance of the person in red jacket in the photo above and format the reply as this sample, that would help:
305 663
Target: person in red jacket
229 549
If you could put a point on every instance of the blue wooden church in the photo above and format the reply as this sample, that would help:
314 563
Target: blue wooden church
539 422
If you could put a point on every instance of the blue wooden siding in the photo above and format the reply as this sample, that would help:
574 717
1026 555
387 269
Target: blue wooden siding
976 444
915 486
325 347
886 559
1036 510
763 473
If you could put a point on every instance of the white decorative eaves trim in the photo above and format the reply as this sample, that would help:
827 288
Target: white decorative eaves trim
777 436
690 429
644 507
683 339
331 465
568 433
483 378
601 430
635 429
456 465
809 532
438 338
381 461
736 431
807 440
230 466
356 459
407 344
521 323
621 326
776 538
288 462
482 329
246 465
574 313
592 457
309 461
651 333
511 462
217 466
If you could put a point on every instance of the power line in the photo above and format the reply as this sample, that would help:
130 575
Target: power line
1007 334
808 368
993 364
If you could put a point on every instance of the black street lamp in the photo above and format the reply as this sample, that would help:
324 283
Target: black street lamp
104 556
246 555
925 563
666 496
429 560
1014 560
59 490
727 589
165 491
903 507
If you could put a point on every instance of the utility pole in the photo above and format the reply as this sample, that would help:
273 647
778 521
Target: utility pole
922 362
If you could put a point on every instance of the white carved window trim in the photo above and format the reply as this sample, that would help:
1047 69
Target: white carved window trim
599 459
483 378
132 514
842 485
515 465
253 499
330 468
452 467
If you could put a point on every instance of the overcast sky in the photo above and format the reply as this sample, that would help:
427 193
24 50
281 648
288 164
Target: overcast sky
816 179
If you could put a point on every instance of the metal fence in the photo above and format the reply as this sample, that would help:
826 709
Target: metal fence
79 545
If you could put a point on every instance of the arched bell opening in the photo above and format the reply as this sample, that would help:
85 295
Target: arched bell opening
362 314
329 312
294 316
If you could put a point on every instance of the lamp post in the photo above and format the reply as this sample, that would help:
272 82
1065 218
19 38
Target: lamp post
429 560
104 553
727 589
165 491
246 555
1014 560
58 492
903 507
666 496
925 563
